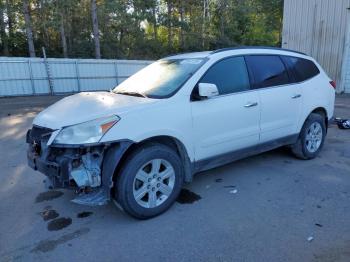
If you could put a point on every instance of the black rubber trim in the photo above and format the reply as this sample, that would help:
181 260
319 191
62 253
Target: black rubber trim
226 158
255 47
111 159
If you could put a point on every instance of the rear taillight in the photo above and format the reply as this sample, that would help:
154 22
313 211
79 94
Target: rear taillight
333 84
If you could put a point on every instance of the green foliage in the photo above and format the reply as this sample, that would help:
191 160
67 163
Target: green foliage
138 29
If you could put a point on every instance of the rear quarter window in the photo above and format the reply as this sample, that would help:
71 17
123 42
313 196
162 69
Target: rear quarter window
267 70
302 69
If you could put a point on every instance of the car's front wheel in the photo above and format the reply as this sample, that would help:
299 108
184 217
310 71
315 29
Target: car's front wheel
311 137
149 181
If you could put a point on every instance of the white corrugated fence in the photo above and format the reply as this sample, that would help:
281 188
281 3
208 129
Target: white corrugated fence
37 76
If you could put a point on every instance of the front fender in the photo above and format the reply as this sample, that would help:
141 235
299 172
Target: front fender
111 160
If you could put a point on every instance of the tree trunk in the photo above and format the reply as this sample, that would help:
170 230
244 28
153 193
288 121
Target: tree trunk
95 29
3 35
63 37
10 19
182 40
204 21
170 36
10 13
44 32
155 28
29 30
222 18
68 30
121 38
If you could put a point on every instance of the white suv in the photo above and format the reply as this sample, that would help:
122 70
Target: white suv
178 116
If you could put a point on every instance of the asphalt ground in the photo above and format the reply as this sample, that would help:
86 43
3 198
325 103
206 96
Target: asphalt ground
270 207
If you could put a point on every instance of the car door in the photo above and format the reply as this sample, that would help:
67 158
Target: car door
229 121
280 99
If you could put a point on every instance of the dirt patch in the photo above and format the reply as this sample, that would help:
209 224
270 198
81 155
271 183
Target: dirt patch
47 196
187 197
59 223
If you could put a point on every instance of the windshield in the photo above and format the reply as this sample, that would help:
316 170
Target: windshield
160 79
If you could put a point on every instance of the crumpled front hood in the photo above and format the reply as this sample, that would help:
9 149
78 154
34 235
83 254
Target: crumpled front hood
87 106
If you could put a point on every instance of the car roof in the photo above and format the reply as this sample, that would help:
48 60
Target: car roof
202 54
256 48
238 50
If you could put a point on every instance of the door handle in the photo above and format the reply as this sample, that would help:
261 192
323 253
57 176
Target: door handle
296 96
251 104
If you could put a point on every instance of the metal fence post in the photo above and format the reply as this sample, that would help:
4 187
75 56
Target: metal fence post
48 72
116 73
78 74
31 76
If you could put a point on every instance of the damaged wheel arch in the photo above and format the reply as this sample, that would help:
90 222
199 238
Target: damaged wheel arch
127 147
112 160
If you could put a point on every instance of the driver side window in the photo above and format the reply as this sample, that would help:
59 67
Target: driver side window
229 75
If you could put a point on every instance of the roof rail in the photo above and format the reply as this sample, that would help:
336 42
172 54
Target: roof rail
255 47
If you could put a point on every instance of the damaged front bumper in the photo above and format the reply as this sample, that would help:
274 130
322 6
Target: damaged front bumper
88 169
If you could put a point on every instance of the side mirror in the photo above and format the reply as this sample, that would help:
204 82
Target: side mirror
207 90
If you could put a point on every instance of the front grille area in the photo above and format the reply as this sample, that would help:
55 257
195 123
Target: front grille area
37 133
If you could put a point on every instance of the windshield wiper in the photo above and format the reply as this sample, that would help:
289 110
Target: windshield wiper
130 93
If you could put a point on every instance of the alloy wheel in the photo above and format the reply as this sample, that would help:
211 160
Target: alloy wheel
314 136
154 182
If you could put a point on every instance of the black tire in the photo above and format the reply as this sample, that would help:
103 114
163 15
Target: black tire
125 180
300 149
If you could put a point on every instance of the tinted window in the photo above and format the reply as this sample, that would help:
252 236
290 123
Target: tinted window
302 69
229 75
267 70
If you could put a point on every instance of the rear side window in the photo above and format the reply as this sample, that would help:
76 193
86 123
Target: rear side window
267 70
229 75
302 69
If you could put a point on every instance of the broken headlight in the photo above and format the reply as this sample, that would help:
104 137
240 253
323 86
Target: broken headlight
87 132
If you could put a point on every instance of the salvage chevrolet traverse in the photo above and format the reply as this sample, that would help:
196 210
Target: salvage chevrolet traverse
183 114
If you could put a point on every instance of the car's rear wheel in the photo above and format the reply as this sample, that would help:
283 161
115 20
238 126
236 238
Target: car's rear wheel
150 181
311 137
